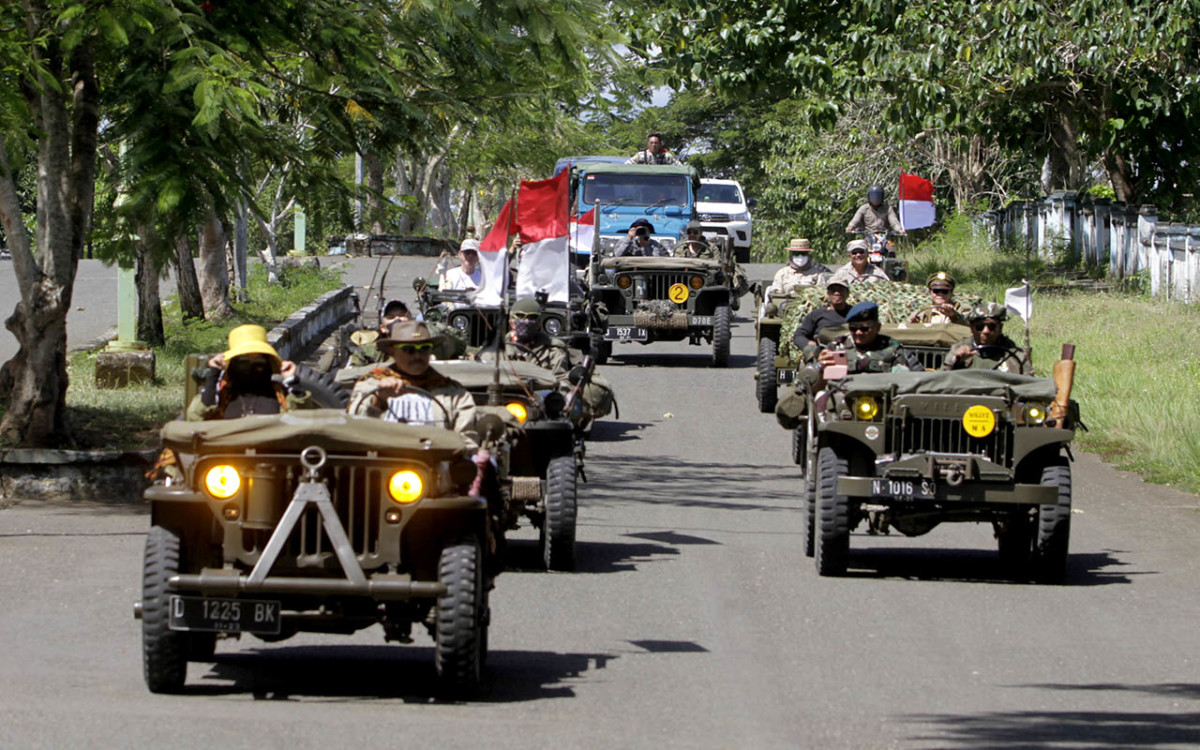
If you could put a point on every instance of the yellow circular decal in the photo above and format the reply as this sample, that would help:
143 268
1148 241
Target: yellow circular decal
979 421
678 293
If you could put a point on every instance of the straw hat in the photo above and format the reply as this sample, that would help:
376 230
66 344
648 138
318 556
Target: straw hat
799 244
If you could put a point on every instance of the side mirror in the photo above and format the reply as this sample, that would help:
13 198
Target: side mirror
419 283
490 427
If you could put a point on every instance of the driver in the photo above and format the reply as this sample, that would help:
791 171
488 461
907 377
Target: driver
639 242
527 342
801 269
699 247
941 307
407 389
988 348
874 217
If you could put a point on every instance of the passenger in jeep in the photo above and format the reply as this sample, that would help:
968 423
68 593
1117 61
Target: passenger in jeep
248 378
988 348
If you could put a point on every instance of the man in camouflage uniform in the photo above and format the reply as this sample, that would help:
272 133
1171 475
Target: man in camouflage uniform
527 342
801 269
867 351
407 389
874 217
699 247
988 348
859 270
654 153
941 308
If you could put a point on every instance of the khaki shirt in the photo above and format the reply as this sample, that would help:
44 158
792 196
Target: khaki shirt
875 219
436 400
871 274
789 277
545 352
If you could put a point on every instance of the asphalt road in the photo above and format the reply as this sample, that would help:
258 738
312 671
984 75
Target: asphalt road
694 620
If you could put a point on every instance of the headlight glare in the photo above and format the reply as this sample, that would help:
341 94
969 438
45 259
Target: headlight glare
222 482
518 410
866 408
1034 414
405 487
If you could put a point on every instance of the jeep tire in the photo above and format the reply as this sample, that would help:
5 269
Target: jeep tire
722 323
164 651
766 388
459 634
833 515
1054 525
558 523
326 392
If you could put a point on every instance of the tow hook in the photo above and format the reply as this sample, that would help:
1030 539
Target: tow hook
954 477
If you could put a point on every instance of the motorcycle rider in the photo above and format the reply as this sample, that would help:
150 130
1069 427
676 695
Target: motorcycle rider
873 217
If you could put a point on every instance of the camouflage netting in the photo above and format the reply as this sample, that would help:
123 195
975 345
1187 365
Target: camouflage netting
897 301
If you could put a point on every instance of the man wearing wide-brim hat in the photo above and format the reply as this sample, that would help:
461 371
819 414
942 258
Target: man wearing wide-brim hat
801 269
241 381
407 389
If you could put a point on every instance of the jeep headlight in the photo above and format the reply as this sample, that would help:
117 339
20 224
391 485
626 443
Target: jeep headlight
696 282
461 322
866 408
624 282
1033 414
518 410
405 487
222 482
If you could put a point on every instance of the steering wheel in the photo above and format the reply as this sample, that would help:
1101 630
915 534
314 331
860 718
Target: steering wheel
1008 353
447 423
925 314
690 248
487 353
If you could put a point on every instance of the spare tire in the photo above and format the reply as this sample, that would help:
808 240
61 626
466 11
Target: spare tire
326 392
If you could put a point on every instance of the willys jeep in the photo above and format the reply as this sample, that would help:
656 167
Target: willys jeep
910 450
662 299
317 521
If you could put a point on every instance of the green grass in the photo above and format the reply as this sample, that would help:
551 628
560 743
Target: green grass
129 418
1137 377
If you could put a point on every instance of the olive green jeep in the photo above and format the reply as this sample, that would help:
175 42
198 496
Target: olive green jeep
910 450
317 521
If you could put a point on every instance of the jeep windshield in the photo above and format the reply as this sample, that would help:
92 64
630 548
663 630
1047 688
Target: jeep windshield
636 189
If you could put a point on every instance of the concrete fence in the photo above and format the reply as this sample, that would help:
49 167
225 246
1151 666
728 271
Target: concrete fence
309 326
1127 240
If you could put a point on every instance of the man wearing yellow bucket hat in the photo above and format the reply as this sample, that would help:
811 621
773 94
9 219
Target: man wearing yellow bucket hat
240 381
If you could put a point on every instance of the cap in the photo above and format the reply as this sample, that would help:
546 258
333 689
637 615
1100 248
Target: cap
395 304
643 223
469 244
863 311
526 305
407 332
799 245
941 277
988 310
251 339
835 280
693 224
857 245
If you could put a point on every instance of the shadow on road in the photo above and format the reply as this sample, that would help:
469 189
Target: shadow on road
701 358
671 480
354 673
610 431
524 555
1094 729
942 564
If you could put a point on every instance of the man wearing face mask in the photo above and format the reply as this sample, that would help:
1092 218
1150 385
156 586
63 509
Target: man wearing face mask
242 380
527 342
801 269
407 389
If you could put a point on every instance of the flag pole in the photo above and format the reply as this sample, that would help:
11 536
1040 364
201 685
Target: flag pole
495 391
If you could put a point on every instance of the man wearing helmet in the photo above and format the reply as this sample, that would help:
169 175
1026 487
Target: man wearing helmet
801 269
988 348
873 217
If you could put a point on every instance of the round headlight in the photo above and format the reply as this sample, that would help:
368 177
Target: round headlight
865 408
696 282
405 487
552 326
1034 414
222 482
624 282
460 322
518 410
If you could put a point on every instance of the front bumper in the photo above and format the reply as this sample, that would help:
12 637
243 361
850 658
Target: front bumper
970 492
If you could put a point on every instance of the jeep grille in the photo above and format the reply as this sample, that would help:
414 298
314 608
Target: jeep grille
357 492
946 435
658 284
930 357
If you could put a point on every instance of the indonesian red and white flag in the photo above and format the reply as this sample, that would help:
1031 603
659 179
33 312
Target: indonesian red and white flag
493 260
544 226
916 202
583 233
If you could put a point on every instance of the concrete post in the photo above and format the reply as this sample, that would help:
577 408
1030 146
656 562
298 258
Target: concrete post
125 360
299 232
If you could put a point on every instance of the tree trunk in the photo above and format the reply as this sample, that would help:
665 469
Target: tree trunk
149 311
191 304
214 283
464 213
1120 177
373 166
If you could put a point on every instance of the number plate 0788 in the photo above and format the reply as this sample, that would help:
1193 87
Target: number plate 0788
904 489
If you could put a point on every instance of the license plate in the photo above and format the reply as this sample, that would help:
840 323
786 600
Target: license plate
224 615
700 321
785 376
627 333
904 489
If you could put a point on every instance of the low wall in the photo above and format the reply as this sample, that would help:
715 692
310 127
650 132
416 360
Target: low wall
371 245
119 477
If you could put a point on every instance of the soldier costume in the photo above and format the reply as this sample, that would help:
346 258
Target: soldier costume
527 342
988 348
801 269
942 307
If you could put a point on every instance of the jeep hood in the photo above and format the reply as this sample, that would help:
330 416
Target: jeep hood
644 263
954 382
333 430
476 376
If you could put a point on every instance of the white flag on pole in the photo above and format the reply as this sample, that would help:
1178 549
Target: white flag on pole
1019 299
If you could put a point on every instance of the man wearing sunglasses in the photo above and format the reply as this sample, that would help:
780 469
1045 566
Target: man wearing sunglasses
859 270
941 307
407 389
988 348
527 342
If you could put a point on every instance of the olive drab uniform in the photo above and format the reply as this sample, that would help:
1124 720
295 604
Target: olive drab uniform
1004 356
436 401
544 351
